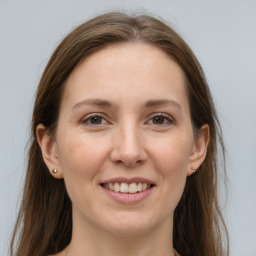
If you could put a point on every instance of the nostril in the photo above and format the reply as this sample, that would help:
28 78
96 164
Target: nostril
119 162
128 162
133 163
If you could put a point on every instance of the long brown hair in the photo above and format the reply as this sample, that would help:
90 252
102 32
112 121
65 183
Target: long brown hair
44 224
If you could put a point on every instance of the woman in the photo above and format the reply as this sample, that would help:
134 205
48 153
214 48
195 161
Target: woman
123 147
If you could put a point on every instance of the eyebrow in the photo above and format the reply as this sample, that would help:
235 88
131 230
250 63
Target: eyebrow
97 102
106 103
162 102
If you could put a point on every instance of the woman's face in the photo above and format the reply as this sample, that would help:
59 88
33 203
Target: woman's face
124 142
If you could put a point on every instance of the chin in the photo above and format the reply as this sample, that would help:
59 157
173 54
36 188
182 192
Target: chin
130 231
132 225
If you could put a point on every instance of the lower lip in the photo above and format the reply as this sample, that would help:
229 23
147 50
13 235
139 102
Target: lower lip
126 198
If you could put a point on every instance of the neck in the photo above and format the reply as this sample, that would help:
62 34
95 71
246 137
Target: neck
86 239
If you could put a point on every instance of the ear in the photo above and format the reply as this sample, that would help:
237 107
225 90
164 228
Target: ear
49 151
199 149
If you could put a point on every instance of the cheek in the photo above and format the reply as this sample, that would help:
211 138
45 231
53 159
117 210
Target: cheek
173 154
80 157
172 160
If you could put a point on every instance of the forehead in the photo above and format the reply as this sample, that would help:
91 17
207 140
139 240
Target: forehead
115 71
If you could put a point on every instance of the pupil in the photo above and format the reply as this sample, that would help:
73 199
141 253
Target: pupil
158 120
96 120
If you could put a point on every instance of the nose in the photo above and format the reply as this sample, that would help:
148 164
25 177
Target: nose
128 147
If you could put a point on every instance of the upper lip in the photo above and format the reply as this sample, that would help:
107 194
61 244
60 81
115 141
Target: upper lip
128 180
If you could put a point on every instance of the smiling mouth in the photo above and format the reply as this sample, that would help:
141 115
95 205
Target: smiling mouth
126 188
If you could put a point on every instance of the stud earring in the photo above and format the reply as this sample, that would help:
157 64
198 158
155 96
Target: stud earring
193 168
54 171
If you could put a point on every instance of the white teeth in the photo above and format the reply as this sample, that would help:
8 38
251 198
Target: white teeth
127 188
144 186
111 186
124 188
116 187
139 187
133 188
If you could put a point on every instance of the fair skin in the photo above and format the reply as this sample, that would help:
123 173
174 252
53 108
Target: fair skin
124 118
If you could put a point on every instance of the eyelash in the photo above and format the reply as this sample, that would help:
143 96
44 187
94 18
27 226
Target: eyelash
167 119
91 116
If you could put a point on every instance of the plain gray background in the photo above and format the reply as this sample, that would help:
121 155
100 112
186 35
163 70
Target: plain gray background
221 33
